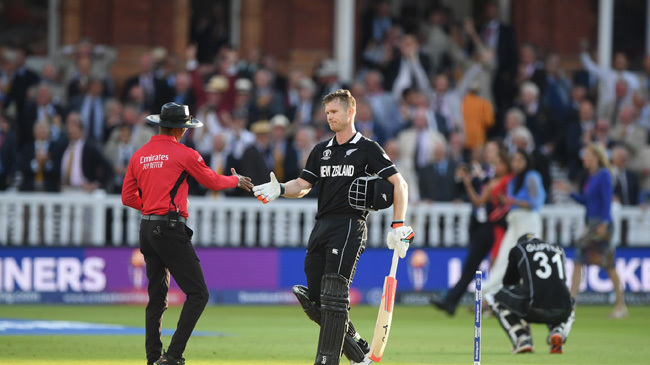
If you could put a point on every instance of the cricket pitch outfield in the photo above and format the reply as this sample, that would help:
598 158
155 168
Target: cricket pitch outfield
252 335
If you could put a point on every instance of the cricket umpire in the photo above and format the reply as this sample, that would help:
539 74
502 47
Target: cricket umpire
342 166
155 183
534 290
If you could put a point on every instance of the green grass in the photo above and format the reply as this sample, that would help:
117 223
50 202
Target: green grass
284 335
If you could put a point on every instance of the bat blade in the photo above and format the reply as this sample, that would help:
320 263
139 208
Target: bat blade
384 318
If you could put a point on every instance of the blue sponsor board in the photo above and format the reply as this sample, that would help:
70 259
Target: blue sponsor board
22 327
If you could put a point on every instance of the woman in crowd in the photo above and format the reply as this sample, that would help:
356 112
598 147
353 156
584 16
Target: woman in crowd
526 196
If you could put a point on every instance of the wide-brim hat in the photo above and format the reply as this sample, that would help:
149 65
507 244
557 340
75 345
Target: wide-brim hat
173 115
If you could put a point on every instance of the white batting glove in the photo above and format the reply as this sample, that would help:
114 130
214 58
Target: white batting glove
268 192
400 238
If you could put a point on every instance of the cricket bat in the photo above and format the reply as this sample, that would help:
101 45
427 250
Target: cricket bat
382 328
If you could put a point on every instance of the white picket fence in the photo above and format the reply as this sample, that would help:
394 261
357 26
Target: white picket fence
98 219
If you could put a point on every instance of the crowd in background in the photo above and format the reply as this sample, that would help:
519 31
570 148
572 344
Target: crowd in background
431 94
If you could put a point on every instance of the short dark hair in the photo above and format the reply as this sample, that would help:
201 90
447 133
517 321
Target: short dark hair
343 96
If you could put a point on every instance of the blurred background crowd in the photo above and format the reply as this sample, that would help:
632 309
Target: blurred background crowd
431 93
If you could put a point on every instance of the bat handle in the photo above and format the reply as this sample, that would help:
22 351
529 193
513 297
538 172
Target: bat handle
393 266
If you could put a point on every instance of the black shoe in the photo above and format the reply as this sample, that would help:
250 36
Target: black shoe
441 304
166 359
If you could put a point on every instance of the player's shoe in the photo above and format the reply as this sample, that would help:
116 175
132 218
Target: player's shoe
166 359
556 341
443 305
620 312
524 345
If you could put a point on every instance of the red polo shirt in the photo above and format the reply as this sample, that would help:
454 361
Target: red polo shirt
155 168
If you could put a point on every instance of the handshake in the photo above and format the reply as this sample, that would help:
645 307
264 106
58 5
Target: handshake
400 238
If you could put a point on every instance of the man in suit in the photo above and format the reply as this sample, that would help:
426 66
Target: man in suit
90 106
408 69
501 38
257 160
155 89
20 79
42 108
415 145
83 167
437 180
626 190
39 161
8 154
285 156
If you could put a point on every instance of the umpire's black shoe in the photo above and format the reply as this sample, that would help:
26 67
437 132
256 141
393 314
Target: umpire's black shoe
166 359
443 305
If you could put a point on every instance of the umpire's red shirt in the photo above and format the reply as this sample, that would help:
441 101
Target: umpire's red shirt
155 168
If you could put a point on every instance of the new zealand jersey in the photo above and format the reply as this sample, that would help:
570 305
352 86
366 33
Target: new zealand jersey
335 166
540 266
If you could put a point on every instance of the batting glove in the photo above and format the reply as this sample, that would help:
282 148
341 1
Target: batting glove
400 238
268 192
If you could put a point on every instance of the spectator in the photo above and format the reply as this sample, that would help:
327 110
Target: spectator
408 69
377 22
183 92
210 114
219 160
266 101
141 132
243 89
478 118
80 81
39 161
50 77
644 77
303 143
538 119
607 78
367 125
327 78
612 110
500 38
247 67
8 153
305 106
98 57
523 140
575 137
19 80
118 152
384 107
42 108
291 92
446 101
285 157
416 145
514 118
82 165
626 187
629 134
436 40
438 179
600 133
240 137
154 88
90 107
530 68
556 96
257 160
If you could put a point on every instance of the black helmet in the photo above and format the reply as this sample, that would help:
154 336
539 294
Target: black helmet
173 115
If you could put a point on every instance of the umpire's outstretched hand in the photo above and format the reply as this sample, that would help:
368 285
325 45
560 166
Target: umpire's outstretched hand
244 181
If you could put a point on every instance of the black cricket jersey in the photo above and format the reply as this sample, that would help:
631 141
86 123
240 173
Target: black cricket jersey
540 266
335 166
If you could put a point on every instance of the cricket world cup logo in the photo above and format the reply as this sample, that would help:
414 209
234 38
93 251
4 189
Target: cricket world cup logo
418 269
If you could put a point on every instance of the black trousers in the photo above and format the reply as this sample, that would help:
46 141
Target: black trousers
480 244
168 251
334 247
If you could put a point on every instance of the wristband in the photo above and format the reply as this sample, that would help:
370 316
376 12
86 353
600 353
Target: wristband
396 224
282 189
